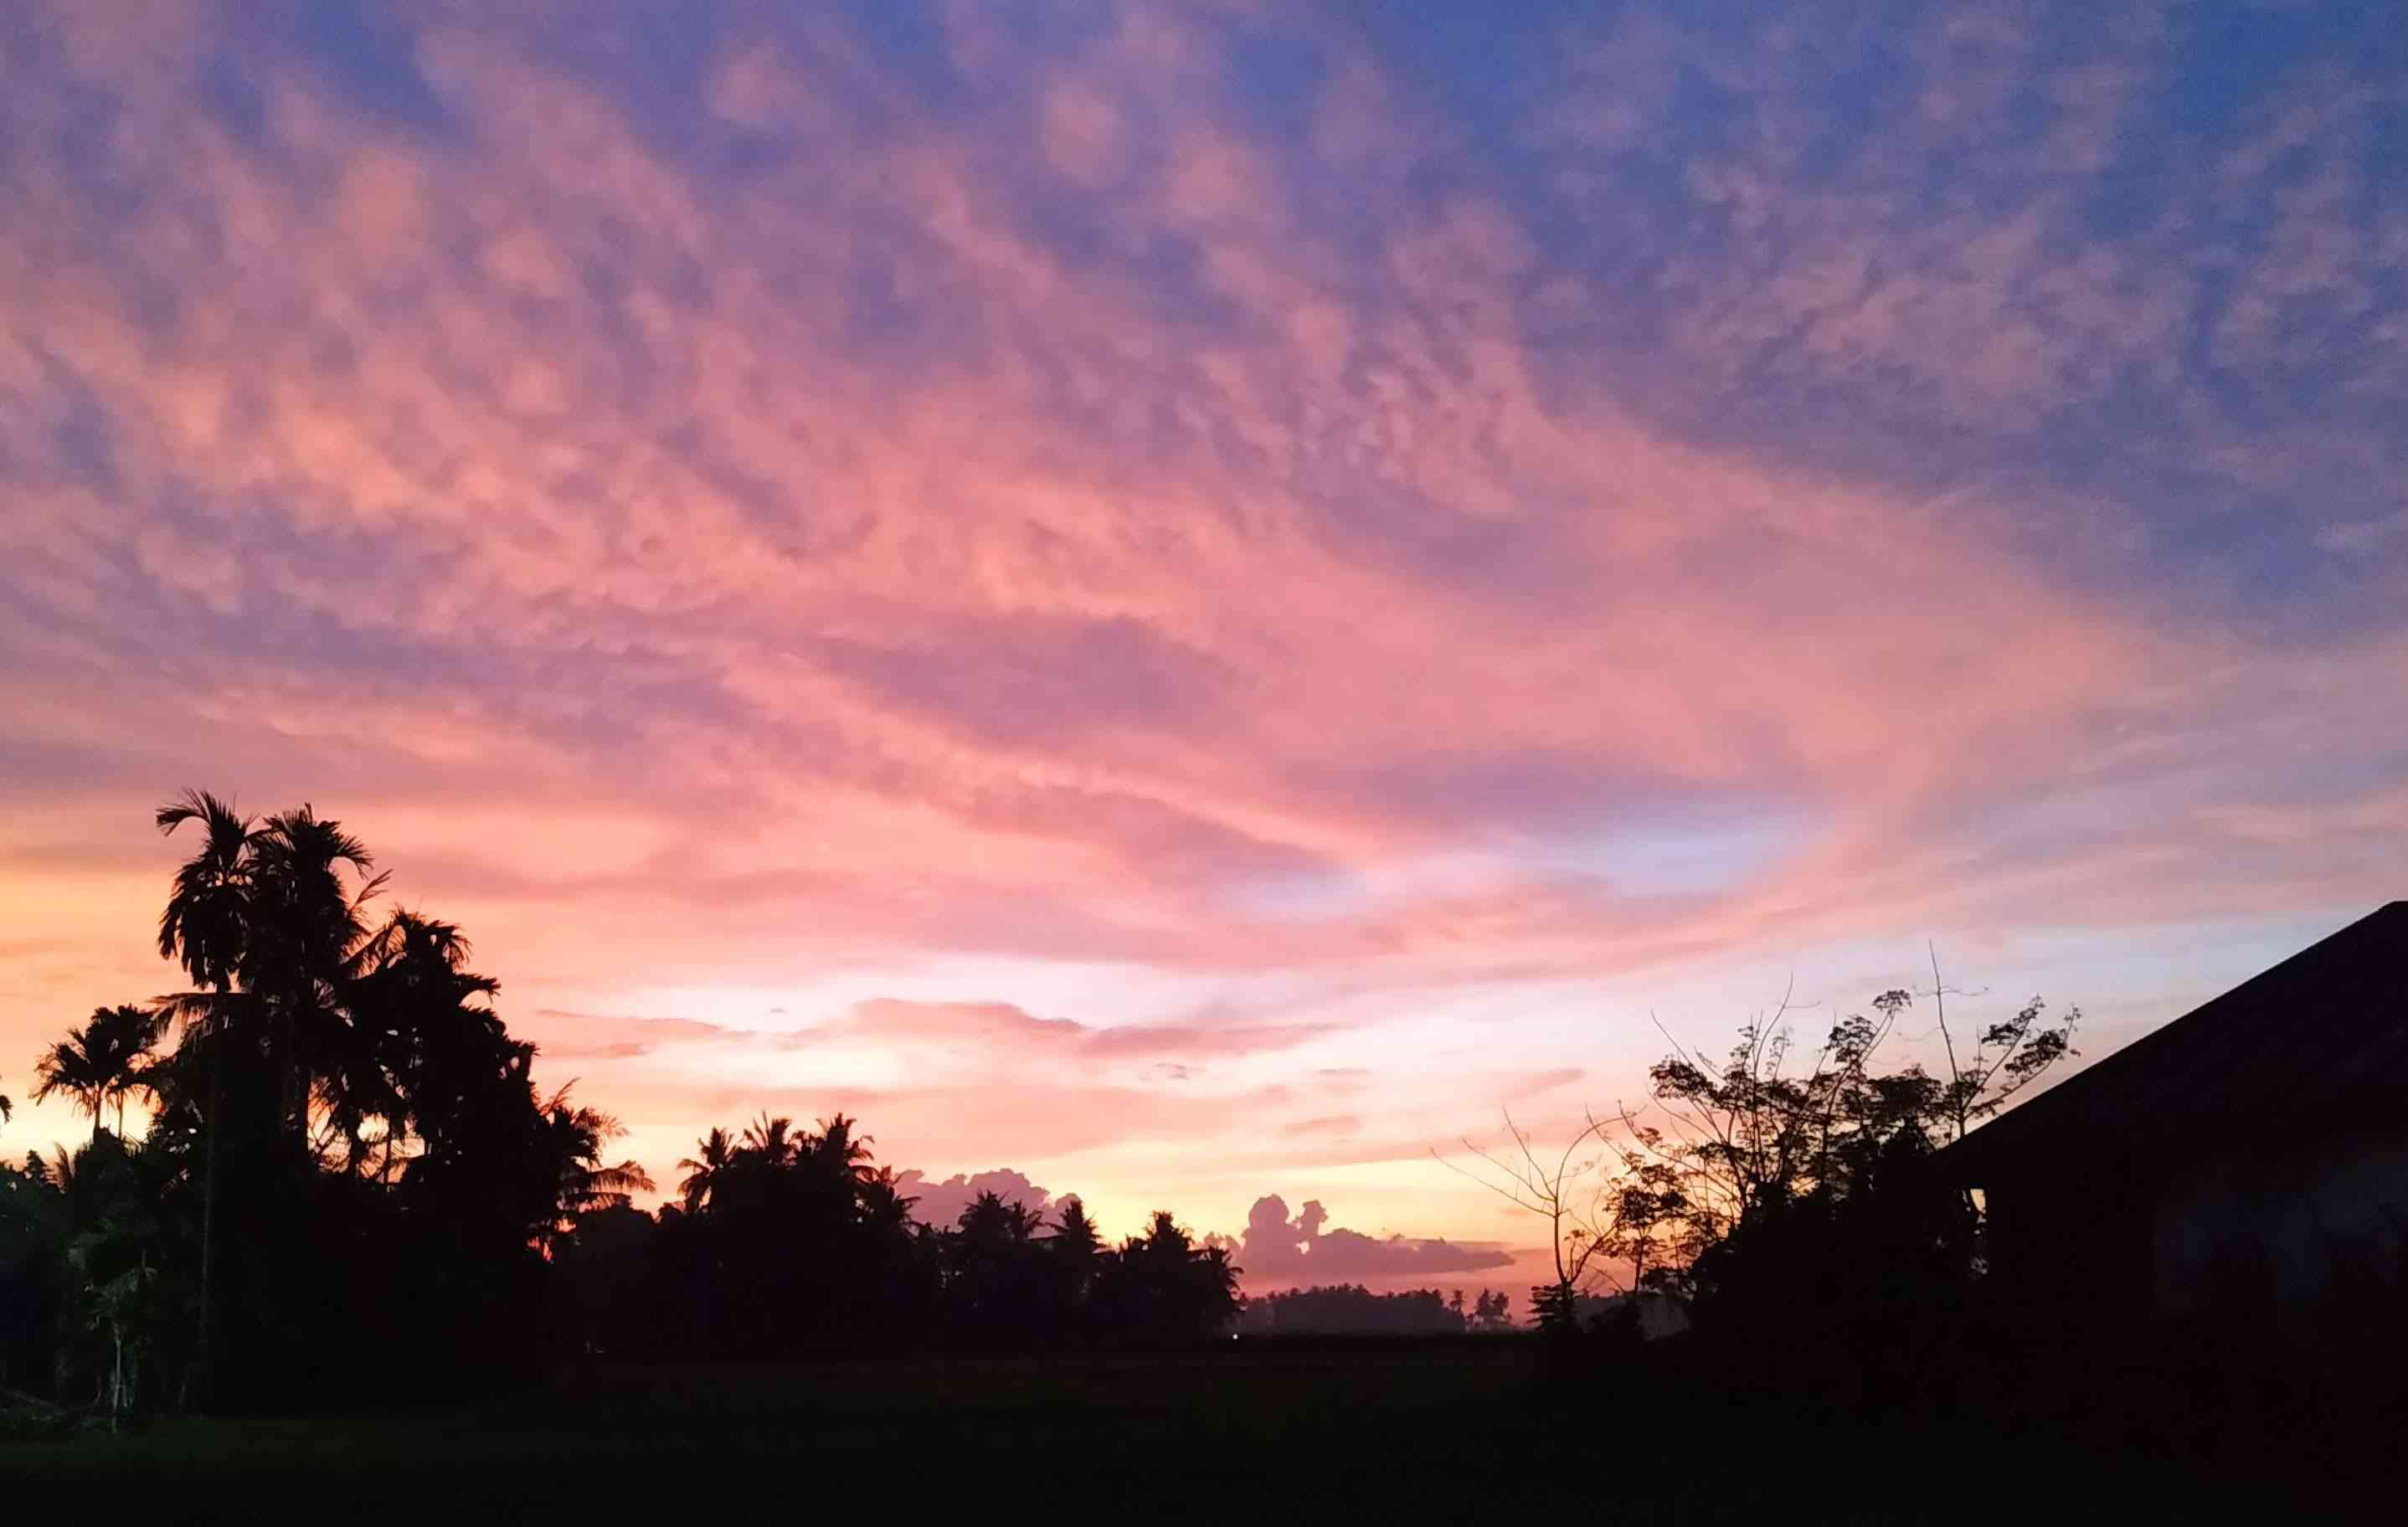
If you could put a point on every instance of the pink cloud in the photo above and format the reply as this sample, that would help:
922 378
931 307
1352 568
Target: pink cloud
1277 1251
846 537
1001 1028
572 1036
1339 1123
941 1204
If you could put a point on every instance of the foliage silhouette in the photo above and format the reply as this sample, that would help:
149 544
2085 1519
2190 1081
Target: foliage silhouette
204 927
349 1171
101 1062
1755 1181
348 1168
711 1155
1352 1310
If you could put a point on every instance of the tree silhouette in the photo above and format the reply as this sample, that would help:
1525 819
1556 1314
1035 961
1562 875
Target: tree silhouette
101 1062
1351 1310
421 1041
320 1051
1760 1145
306 931
713 1153
839 1151
574 1136
999 1283
1580 1225
769 1143
206 927
885 1208
1162 1288
1768 1159
350 1171
1076 1244
991 1222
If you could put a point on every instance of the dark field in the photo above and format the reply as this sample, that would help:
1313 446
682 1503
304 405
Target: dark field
1413 1436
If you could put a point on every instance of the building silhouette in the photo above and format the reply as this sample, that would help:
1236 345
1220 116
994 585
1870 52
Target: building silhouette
2248 1160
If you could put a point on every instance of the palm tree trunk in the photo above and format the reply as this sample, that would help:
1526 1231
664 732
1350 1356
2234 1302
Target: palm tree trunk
280 1068
208 1356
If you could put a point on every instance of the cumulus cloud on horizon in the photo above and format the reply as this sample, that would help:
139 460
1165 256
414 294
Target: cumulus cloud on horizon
938 1205
1276 1247
1273 1250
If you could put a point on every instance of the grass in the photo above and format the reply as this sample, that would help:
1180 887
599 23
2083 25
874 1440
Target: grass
1411 1435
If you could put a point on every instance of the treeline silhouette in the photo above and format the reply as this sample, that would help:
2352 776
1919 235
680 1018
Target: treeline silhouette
351 1190
786 1242
1347 1310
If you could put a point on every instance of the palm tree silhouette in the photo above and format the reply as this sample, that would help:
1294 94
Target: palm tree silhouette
990 1221
206 924
307 933
770 1142
1166 1287
207 929
582 1183
713 1153
885 1208
839 1152
1075 1243
134 1037
417 1033
100 1063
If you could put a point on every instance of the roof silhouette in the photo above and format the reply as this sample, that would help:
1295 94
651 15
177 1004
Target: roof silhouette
2311 1040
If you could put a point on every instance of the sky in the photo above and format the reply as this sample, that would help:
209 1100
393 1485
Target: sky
1188 603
